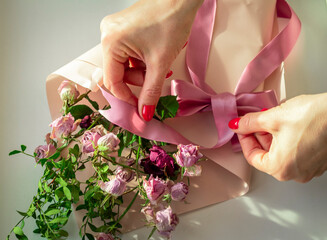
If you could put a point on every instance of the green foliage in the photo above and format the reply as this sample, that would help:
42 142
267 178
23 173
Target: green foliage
80 111
167 107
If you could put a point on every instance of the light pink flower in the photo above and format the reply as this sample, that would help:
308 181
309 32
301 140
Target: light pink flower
44 151
109 142
187 155
89 141
193 171
68 91
115 187
124 174
148 213
63 126
179 191
166 222
154 188
104 236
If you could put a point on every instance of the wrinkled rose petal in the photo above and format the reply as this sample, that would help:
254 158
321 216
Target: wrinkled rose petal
166 222
124 174
104 236
63 126
109 142
193 171
68 91
154 188
187 155
115 187
44 151
179 191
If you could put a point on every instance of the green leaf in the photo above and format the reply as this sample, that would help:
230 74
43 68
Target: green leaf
46 187
52 212
31 210
93 103
92 227
14 152
40 186
167 107
22 213
67 193
61 182
75 150
55 156
63 233
18 231
61 220
89 236
80 207
42 161
23 147
80 111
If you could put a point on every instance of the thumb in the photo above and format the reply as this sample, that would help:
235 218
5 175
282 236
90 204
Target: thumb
151 91
251 123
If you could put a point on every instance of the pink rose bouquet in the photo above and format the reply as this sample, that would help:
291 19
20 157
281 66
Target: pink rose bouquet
123 163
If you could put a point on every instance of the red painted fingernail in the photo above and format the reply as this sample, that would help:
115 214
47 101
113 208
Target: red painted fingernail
264 109
233 124
169 73
147 112
185 44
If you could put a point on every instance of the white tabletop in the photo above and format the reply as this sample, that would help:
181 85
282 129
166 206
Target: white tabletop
39 36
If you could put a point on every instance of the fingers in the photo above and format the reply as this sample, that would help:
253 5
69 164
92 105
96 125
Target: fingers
254 122
113 74
151 90
254 152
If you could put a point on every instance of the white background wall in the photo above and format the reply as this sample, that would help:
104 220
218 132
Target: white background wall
39 36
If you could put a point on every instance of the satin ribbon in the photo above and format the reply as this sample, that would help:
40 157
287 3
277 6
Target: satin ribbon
199 97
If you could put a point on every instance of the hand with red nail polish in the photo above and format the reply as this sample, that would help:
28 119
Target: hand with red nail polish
139 45
288 142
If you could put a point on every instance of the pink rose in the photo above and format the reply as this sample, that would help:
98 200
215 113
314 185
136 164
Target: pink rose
166 222
154 188
124 174
90 138
187 155
68 91
193 171
44 151
148 213
63 126
115 187
109 143
160 158
104 236
179 191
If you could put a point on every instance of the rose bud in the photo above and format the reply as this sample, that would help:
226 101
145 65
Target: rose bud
148 213
44 151
63 126
124 174
108 143
187 155
104 236
193 171
68 91
86 122
89 141
166 222
179 191
154 188
115 187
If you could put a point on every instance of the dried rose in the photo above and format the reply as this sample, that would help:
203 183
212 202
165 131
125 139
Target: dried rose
86 122
89 141
193 171
115 187
179 191
104 236
166 222
108 143
126 161
68 91
148 213
124 174
160 158
187 155
154 188
63 126
44 151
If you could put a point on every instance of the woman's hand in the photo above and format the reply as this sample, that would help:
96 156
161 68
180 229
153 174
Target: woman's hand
288 141
151 33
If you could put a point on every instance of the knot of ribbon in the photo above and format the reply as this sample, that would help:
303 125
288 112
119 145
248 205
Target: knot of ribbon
224 106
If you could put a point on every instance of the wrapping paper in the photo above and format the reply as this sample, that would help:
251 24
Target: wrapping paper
241 30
